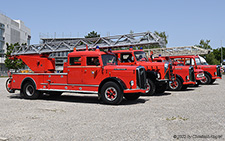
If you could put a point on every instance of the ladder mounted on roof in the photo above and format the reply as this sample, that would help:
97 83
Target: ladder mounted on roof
68 45
185 50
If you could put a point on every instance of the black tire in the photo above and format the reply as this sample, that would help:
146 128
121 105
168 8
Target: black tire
151 87
207 79
111 93
29 91
175 85
184 87
131 96
161 89
212 81
8 81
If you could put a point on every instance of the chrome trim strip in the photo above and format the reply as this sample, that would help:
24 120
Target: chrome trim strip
90 66
41 73
72 91
44 83
60 84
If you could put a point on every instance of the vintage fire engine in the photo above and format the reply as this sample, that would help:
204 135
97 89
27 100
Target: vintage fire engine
157 74
84 72
211 72
185 75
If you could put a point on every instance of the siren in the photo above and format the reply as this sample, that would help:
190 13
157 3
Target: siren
141 48
131 48
97 48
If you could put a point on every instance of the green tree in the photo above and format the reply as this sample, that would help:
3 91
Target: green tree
163 35
204 44
92 35
217 53
12 64
210 58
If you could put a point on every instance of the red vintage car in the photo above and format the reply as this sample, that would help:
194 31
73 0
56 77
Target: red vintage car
185 75
84 72
158 74
211 72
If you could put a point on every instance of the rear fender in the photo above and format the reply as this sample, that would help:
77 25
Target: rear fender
26 80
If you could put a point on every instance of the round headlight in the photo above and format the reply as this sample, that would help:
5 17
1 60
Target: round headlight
132 83
187 77
158 75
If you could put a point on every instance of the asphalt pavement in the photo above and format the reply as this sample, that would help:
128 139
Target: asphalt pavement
195 114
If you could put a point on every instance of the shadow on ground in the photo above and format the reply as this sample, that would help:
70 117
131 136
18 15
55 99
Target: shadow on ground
91 99
157 94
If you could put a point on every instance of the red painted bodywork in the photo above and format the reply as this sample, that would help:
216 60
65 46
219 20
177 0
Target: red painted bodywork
181 71
211 69
158 67
75 78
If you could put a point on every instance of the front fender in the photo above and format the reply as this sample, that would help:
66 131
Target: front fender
113 79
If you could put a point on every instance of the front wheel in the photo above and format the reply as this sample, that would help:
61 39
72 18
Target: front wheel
111 93
131 96
161 89
207 79
29 91
150 87
175 85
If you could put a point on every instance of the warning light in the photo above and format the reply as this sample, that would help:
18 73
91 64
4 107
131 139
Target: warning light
131 48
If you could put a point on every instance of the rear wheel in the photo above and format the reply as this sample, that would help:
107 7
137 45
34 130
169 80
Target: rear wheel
131 96
7 85
175 85
207 79
150 87
111 93
29 91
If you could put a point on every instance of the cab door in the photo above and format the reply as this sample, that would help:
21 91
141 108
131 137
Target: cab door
92 74
75 70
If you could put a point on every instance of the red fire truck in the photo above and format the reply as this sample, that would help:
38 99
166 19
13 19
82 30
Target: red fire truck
158 74
211 72
185 75
84 72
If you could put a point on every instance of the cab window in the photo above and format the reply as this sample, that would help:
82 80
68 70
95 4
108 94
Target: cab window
93 61
75 61
127 58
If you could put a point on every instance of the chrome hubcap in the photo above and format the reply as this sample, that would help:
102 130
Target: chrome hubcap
110 93
29 90
173 84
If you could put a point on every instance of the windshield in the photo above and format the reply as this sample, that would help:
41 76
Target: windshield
109 60
223 63
140 56
198 62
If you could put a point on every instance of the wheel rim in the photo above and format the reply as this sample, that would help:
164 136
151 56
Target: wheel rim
8 85
148 87
29 90
110 93
204 80
173 84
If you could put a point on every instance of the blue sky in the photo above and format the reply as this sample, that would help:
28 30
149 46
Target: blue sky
185 21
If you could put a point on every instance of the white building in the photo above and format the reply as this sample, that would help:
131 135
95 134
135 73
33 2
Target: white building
11 31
